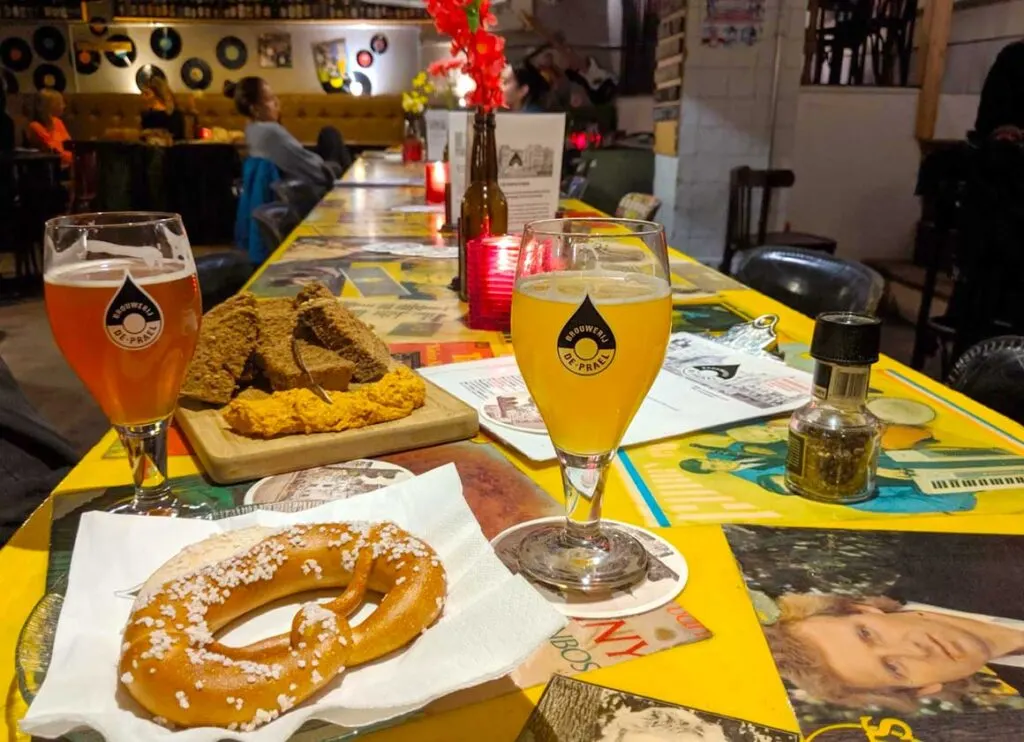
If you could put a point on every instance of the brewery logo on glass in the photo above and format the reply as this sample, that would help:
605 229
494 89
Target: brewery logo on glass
586 345
133 320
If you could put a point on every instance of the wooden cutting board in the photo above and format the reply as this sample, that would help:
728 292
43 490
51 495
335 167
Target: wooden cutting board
229 457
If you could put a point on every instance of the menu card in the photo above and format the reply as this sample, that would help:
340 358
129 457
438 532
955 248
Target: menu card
437 133
529 162
702 384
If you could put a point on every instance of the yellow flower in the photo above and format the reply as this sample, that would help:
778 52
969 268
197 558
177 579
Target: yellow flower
428 88
420 79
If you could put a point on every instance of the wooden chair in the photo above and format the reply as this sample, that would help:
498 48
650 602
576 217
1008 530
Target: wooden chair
641 206
738 234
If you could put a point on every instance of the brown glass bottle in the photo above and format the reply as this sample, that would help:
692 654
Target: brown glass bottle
484 208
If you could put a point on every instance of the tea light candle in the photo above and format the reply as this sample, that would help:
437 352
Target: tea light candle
490 279
437 178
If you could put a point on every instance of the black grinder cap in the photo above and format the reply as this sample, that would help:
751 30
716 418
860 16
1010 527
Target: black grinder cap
846 338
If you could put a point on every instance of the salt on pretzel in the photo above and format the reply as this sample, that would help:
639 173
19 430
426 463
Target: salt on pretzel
172 665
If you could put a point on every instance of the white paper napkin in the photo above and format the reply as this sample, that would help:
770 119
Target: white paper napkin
492 620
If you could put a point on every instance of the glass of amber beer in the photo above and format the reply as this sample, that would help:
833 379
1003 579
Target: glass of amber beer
123 302
591 315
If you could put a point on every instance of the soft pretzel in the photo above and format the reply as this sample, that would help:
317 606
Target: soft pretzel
172 665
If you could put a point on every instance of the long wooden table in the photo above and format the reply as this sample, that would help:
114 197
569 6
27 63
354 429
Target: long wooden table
733 474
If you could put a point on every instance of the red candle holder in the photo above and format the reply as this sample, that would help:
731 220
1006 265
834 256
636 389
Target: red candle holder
436 180
490 279
412 149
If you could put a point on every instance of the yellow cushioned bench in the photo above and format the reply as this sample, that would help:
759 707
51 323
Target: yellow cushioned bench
366 121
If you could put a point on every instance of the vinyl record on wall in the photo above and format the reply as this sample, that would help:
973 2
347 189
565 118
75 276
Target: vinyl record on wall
15 54
10 82
87 61
166 43
364 58
196 74
98 26
361 83
49 76
49 43
231 52
379 43
146 73
125 58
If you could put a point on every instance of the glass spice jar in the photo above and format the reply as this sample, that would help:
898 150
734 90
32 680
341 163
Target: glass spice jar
834 440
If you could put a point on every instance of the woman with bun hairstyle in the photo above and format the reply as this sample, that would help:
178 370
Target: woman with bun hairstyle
266 138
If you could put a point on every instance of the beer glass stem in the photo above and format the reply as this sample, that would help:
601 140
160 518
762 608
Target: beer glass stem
583 480
147 453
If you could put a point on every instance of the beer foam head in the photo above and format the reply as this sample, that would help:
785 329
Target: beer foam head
110 273
602 286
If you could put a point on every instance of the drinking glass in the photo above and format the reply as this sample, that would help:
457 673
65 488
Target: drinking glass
123 302
591 315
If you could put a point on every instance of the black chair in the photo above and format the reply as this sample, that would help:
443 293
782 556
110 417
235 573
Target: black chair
992 373
275 221
221 275
811 282
300 195
743 181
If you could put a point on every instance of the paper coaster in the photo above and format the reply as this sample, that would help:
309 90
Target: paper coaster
516 411
667 573
333 482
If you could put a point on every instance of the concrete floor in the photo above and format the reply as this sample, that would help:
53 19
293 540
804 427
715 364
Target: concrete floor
27 346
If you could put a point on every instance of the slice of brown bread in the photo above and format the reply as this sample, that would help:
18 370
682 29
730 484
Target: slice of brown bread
338 329
312 291
327 368
227 338
278 323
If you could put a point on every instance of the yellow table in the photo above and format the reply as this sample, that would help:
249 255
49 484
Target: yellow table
732 474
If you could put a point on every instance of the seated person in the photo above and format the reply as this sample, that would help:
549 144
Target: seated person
1001 107
160 113
47 132
526 89
266 137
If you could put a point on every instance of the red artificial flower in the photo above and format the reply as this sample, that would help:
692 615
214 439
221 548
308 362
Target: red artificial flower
467 23
442 67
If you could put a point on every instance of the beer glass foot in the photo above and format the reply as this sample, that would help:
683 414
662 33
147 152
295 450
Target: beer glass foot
167 506
146 446
610 560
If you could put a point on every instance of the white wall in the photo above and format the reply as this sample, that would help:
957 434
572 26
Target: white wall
856 163
666 170
726 120
390 72
956 115
975 37
635 113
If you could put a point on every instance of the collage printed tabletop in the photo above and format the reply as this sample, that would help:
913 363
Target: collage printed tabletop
943 455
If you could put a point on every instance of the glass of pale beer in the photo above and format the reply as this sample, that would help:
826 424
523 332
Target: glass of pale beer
591 315
123 302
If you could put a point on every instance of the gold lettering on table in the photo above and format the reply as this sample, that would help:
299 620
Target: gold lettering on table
886 730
